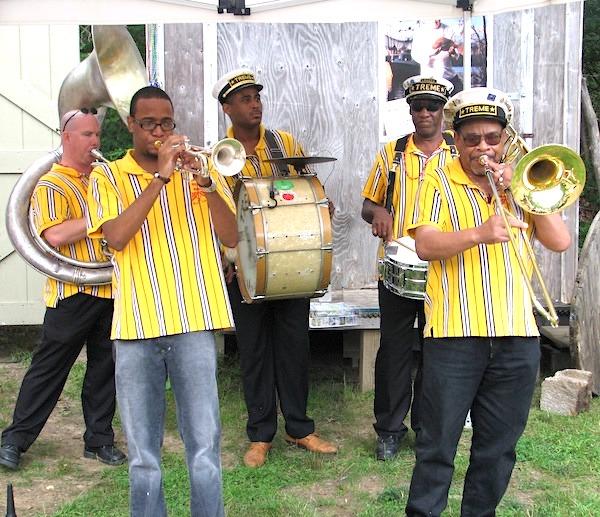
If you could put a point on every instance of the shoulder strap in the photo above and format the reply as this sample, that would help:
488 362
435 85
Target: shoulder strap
449 139
275 151
399 150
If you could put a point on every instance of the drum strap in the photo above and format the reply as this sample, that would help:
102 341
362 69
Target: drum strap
275 151
399 150
449 139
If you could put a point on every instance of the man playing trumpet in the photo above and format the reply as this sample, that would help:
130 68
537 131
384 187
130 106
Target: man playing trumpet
481 349
163 229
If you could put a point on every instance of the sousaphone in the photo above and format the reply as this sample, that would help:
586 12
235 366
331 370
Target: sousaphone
108 77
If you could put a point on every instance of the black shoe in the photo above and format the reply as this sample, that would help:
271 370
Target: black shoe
108 454
387 447
10 455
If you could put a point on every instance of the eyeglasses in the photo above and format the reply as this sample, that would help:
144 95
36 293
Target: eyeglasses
430 106
149 124
473 139
85 111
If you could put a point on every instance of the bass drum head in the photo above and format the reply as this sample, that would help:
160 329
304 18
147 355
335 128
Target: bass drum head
246 260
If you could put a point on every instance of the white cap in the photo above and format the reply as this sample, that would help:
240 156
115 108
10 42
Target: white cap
232 81
427 87
478 103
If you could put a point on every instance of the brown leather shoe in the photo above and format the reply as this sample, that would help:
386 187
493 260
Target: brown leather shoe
312 443
256 455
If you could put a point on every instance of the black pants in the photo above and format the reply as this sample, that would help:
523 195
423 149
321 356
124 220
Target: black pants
495 379
273 344
393 365
77 320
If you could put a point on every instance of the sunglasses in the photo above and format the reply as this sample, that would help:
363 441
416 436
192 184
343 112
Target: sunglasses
149 124
473 139
85 111
430 106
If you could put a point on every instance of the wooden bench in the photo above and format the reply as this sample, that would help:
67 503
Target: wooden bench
360 341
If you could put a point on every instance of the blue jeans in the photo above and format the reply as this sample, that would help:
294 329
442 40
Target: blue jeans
141 371
495 379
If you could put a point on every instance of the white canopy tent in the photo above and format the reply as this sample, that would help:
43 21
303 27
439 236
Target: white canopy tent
263 11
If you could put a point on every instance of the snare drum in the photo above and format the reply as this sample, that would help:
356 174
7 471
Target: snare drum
404 273
285 244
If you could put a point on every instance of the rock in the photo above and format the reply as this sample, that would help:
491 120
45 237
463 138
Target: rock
568 393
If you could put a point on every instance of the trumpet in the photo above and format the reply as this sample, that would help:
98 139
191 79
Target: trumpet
228 157
540 171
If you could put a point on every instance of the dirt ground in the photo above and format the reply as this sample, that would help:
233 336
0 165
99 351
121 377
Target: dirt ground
58 450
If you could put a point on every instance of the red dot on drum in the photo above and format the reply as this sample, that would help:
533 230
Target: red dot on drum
288 197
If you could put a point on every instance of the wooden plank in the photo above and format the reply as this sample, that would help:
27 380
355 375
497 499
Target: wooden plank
369 345
184 77
549 115
584 321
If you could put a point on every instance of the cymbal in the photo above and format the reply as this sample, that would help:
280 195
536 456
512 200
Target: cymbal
299 162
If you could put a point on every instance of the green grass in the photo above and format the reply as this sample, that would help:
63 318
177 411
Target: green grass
557 471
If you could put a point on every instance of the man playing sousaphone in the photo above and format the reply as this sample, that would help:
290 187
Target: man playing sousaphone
481 348
272 336
390 194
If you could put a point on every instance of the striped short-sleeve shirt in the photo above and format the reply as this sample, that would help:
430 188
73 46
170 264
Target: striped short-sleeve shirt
168 279
481 291
60 195
413 167
256 166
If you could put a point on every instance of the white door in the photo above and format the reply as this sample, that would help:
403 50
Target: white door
34 61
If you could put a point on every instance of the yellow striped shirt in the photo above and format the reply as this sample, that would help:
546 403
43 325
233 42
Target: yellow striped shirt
255 166
481 291
410 171
168 278
61 195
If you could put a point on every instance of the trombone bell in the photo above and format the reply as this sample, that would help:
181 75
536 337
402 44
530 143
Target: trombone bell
548 179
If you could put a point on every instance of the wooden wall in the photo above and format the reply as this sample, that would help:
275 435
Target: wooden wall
537 58
321 84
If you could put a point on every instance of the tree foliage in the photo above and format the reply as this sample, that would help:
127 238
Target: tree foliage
115 136
591 50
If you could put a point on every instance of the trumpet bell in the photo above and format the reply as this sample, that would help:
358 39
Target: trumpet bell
548 179
228 156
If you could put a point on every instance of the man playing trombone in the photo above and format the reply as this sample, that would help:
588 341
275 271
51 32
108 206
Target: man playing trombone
163 229
481 350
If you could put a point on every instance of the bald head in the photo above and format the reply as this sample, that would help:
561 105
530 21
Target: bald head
80 134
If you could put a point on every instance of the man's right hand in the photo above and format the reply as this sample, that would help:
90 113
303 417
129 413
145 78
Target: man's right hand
382 223
494 231
168 153
229 272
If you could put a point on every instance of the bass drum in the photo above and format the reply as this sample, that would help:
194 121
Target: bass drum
285 245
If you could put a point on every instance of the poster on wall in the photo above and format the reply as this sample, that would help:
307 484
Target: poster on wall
427 47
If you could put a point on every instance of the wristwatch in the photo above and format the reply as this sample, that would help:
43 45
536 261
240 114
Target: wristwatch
161 178
212 186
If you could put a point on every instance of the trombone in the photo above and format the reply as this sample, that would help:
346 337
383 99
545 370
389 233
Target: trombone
228 157
545 180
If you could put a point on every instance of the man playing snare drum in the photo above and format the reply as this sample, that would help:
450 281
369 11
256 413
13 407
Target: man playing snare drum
272 336
390 196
